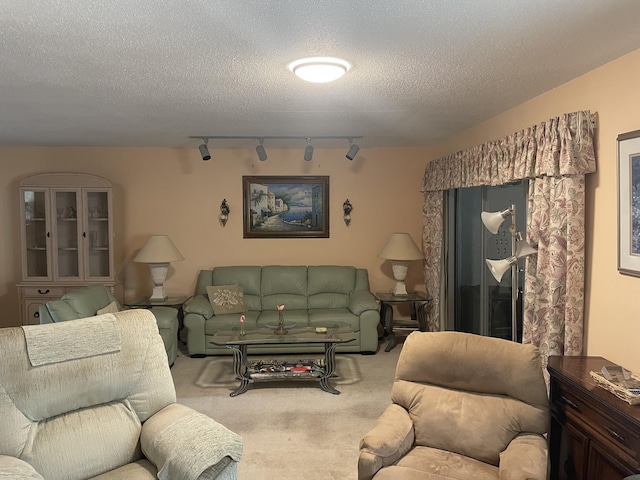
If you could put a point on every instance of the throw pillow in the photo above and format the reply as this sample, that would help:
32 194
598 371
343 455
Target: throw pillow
226 299
111 308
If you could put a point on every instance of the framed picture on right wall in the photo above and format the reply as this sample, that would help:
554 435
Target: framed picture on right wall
629 203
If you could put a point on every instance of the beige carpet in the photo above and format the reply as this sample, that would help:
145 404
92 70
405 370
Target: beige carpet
293 430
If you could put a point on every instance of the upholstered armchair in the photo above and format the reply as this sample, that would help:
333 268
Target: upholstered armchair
95 299
464 407
94 399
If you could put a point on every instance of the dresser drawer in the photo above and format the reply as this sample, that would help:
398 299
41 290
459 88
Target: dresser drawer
579 409
40 291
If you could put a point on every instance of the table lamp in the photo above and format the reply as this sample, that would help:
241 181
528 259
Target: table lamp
158 252
400 249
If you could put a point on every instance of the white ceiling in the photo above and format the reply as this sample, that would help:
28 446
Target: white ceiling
154 72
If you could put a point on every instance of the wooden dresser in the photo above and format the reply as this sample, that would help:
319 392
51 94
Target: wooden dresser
594 435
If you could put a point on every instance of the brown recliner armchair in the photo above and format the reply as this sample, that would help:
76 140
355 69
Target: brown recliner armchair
464 407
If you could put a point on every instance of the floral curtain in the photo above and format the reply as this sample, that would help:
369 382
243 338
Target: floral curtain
554 156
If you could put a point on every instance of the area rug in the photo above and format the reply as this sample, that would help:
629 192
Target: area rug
292 430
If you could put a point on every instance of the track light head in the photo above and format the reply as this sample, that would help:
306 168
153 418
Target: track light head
308 151
353 150
204 151
262 153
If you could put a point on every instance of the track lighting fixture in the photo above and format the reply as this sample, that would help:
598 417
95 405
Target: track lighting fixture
308 151
204 150
353 150
262 153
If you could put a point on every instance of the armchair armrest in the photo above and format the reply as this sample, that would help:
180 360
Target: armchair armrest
183 444
525 457
200 305
15 469
361 301
389 440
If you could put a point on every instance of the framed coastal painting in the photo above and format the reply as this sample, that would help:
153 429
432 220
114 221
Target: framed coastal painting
285 207
629 203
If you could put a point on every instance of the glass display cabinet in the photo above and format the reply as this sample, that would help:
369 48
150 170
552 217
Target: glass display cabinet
67 237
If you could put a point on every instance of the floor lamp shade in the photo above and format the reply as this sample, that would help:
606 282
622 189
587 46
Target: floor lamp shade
158 253
493 220
400 249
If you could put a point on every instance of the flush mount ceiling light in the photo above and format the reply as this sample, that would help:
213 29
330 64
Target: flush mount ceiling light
320 69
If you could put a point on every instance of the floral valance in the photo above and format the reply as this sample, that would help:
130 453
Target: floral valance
560 146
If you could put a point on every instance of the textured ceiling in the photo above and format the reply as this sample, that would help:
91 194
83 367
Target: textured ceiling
154 72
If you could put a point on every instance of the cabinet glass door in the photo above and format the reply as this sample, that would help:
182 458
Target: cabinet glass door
66 239
98 234
36 234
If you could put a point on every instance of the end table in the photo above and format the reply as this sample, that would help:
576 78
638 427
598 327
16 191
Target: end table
173 302
418 303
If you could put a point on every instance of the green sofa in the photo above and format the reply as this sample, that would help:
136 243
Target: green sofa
86 301
312 295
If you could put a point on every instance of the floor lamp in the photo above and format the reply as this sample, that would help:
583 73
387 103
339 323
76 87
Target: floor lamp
519 249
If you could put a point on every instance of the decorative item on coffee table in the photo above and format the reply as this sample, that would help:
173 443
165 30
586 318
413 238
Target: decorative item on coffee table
280 330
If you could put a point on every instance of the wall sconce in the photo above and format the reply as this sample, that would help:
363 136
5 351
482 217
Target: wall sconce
346 208
224 212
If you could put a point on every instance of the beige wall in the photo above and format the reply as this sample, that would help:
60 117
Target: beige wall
612 326
173 191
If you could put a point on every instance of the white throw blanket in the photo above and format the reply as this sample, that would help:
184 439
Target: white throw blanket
58 342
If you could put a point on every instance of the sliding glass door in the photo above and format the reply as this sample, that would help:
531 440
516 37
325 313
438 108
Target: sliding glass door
478 303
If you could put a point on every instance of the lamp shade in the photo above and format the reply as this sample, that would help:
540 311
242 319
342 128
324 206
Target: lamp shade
523 248
493 220
499 267
158 249
400 247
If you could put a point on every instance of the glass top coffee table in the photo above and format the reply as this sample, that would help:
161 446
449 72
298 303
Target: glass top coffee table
262 371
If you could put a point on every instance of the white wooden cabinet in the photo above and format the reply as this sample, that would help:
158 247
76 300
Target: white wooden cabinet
67 237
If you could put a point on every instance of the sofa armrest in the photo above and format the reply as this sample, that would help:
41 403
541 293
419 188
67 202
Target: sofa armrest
200 305
361 301
183 444
389 440
525 457
13 468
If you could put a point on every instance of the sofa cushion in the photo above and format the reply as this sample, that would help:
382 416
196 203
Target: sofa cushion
330 286
226 299
284 285
111 308
111 426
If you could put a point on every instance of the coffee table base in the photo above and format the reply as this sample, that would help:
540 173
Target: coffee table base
241 370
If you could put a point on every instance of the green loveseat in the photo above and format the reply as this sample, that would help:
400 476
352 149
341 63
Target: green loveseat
86 301
313 296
